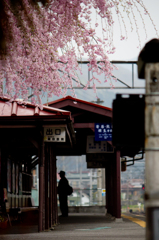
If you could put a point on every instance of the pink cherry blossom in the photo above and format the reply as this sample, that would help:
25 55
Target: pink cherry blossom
44 58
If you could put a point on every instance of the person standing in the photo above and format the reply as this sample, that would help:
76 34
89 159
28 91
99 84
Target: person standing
62 191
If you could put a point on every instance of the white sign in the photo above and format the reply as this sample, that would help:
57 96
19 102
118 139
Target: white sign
96 164
98 146
95 157
54 134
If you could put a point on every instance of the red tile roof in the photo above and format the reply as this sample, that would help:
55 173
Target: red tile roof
77 100
26 109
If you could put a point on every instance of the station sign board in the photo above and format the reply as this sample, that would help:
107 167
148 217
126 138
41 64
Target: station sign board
96 164
103 132
94 146
54 134
95 157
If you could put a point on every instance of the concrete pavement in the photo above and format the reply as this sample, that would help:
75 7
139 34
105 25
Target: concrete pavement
79 227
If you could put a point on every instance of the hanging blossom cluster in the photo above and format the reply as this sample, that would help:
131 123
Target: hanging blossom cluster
43 57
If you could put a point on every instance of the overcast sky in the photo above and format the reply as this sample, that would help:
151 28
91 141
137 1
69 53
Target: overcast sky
127 50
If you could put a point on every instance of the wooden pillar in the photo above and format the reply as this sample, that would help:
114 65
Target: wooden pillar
113 202
109 187
56 207
50 187
53 194
1 182
46 186
105 189
41 225
117 187
53 189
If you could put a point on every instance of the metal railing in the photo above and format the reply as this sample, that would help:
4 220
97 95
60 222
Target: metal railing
87 197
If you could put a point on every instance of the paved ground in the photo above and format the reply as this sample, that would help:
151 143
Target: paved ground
80 227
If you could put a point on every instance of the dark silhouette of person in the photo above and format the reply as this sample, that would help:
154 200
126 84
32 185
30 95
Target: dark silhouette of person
62 191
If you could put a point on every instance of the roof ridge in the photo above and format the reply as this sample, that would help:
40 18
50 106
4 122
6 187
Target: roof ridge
68 97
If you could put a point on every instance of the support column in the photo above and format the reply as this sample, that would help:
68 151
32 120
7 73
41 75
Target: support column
50 187
54 191
152 151
46 187
112 190
41 224
56 207
113 187
117 186
107 184
3 175
109 187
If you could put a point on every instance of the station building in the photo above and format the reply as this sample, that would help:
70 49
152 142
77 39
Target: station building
31 135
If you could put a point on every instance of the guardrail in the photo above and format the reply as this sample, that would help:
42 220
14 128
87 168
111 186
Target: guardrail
87 197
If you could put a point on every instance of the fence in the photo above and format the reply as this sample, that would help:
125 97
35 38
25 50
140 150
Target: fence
87 197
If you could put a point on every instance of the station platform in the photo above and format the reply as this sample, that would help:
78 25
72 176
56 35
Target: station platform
80 226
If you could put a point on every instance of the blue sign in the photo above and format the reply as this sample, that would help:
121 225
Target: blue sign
103 132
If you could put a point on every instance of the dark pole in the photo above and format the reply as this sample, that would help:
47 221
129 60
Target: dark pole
41 183
50 187
56 207
1 183
53 189
46 187
108 189
117 186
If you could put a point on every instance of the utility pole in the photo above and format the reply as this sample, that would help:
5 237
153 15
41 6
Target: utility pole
152 150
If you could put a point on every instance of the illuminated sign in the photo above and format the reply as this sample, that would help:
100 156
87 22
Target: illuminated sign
54 134
103 132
